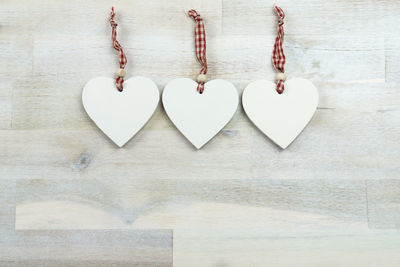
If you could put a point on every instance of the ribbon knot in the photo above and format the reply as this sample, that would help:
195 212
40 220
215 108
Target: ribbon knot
193 14
280 14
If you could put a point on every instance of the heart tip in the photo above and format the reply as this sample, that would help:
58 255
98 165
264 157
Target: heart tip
120 145
283 147
198 147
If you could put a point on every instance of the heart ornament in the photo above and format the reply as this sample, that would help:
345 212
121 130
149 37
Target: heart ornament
281 117
120 115
199 117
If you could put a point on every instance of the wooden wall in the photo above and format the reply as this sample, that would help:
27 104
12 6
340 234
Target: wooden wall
70 197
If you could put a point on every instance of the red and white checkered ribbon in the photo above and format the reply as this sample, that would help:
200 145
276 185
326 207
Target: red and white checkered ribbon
119 81
200 45
278 57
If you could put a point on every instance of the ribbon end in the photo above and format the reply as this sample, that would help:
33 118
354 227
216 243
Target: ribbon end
119 83
280 87
279 12
200 87
112 15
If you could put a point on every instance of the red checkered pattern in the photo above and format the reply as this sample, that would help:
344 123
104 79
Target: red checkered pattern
119 81
278 57
200 45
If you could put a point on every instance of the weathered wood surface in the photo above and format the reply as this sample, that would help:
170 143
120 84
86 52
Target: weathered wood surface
69 197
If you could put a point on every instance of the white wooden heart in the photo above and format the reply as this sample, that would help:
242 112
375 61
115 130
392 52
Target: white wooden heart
120 115
281 117
199 117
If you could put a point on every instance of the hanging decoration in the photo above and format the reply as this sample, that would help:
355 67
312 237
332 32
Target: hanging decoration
280 110
200 109
120 108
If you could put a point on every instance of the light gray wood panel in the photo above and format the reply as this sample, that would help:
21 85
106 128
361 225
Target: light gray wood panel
392 45
5 112
82 263
51 97
151 154
15 57
328 200
372 134
7 206
237 58
152 17
103 247
315 17
356 145
136 203
393 69
260 247
391 18
383 204
48 112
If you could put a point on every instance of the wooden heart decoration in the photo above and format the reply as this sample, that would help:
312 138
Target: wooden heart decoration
281 117
199 117
120 115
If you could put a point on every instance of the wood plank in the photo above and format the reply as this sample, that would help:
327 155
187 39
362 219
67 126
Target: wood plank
149 18
151 154
272 247
125 203
234 57
77 248
355 145
392 40
5 112
7 206
391 20
82 263
44 102
337 17
331 199
326 142
142 17
383 204
392 55
15 57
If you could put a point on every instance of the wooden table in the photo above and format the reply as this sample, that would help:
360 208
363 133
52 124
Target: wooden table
70 197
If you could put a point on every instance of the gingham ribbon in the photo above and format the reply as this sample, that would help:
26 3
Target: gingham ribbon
278 57
200 45
119 81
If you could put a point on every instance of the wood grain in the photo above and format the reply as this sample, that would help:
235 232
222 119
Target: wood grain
383 204
260 247
180 203
5 112
317 17
7 206
103 247
69 197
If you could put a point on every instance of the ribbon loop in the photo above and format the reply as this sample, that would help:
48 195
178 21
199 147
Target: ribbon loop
278 56
200 45
119 81
193 13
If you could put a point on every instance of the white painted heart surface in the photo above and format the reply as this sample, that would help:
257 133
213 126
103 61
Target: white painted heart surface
281 117
120 115
199 117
